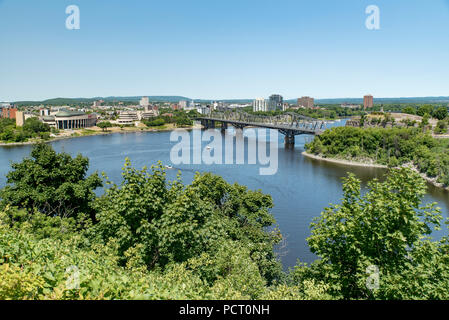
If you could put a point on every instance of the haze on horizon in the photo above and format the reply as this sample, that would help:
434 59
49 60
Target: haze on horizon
223 49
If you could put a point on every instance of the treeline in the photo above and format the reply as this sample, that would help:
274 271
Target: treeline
149 238
390 146
177 117
32 128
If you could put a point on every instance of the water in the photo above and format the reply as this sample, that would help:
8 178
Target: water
301 188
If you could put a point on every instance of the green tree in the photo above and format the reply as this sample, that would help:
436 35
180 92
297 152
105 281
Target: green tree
383 227
424 109
440 113
104 125
409 110
54 184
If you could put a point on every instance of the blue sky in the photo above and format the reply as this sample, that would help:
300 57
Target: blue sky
223 49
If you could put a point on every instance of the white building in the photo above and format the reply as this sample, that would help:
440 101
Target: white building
144 102
183 104
127 117
260 104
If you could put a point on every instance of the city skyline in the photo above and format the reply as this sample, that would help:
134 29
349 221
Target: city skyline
223 50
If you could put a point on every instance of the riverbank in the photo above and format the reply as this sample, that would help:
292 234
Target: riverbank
344 162
95 131
432 181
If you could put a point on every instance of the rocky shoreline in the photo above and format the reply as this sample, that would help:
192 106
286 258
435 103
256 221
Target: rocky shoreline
430 180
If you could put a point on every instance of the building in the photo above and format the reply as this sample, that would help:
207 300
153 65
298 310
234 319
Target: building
368 101
70 120
260 104
275 102
44 112
183 104
350 106
306 102
149 112
9 112
203 110
97 103
20 118
144 102
128 117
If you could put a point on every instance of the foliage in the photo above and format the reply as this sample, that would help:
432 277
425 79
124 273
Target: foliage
104 125
32 128
53 184
384 228
392 146
158 239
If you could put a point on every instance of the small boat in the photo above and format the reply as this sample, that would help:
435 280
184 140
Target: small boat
208 148
169 167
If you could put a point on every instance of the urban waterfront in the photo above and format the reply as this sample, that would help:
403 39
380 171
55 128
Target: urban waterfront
301 188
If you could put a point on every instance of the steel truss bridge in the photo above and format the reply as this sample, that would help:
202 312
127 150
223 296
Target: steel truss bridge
289 124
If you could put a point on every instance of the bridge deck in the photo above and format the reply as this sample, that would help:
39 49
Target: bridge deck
295 129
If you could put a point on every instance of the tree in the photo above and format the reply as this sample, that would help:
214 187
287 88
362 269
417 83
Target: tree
382 228
441 127
104 125
35 126
424 109
440 113
409 110
54 184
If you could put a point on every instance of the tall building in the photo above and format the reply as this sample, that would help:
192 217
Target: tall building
260 104
183 104
306 102
368 101
275 102
144 102
20 118
9 113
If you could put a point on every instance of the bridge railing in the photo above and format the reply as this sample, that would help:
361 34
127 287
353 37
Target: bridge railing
288 120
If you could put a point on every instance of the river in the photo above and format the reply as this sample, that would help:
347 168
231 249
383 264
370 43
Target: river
301 188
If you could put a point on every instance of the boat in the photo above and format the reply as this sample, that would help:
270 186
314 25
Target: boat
169 167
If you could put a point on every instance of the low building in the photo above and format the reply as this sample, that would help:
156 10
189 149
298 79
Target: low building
69 120
128 117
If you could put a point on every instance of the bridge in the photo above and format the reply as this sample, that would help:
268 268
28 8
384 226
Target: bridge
289 124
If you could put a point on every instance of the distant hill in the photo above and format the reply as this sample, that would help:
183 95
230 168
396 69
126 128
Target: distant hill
175 99
386 100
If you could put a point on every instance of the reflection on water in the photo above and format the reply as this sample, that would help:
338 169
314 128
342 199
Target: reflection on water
301 188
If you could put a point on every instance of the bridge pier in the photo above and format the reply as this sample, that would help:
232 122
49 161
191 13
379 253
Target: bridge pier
289 139
208 124
224 127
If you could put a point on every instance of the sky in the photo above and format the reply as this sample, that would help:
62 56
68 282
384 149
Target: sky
223 49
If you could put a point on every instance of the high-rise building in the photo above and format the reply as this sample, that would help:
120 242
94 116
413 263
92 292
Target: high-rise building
275 102
306 102
368 101
20 118
144 102
183 104
260 104
9 112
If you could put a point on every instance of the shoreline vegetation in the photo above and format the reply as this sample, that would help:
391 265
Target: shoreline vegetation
95 131
385 148
353 163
